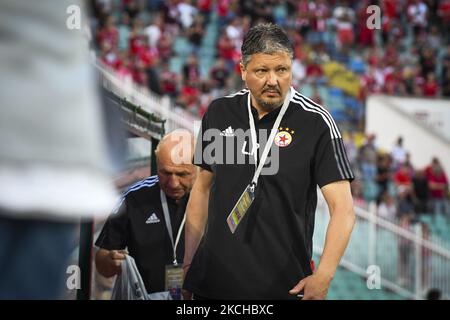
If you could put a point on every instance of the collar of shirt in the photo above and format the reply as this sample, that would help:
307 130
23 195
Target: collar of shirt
271 116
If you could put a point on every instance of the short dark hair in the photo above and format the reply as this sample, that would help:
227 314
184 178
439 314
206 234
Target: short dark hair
265 38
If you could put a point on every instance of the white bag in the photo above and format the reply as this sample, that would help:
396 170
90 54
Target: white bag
129 284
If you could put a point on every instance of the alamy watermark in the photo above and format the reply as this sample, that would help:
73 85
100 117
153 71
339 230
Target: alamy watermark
373 277
73 21
229 147
73 281
374 20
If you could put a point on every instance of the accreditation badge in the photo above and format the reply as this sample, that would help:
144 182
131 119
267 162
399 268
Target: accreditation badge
241 207
174 280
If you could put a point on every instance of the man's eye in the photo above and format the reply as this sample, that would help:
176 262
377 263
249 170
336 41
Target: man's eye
260 72
282 70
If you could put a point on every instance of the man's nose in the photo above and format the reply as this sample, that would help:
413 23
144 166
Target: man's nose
272 79
174 181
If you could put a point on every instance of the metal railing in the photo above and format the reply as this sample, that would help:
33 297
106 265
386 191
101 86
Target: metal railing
175 117
409 263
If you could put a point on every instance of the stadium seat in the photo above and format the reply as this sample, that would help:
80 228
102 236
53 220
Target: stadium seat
357 65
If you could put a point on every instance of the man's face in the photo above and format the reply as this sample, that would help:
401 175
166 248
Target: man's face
268 77
176 180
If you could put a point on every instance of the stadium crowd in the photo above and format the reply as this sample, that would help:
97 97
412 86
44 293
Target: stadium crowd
407 56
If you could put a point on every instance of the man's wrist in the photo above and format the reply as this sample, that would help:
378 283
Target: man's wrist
325 275
186 265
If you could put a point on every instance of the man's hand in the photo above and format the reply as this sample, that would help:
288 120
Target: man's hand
115 260
315 287
109 262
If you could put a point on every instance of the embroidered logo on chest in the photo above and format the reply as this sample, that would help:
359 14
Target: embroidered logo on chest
284 137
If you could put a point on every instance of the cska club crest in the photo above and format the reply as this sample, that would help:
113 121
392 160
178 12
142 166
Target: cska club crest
283 137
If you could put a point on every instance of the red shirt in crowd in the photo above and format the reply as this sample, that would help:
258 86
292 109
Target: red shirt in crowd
109 36
402 177
444 10
147 56
440 178
430 89
389 8
190 94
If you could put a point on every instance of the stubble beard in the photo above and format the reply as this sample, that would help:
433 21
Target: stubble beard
268 106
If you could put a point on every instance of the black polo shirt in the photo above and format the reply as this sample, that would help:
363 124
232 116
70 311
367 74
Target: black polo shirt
140 226
270 251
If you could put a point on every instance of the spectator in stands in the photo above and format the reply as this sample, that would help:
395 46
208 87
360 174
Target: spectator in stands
235 32
398 153
387 208
125 69
223 12
110 56
314 72
421 192
302 18
430 88
154 30
366 35
132 8
186 14
206 97
344 17
434 38
219 74
444 15
191 70
427 61
417 16
168 81
409 58
195 34
226 50
165 47
204 8
368 158
189 95
383 176
320 13
403 178
439 188
108 34
405 204
136 37
298 73
124 31
261 11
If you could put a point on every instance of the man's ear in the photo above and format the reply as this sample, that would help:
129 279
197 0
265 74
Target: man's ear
243 71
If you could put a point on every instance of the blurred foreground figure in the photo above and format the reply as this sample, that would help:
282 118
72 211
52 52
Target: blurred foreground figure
53 156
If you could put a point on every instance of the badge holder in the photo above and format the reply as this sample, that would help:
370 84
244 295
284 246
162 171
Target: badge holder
174 280
241 207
